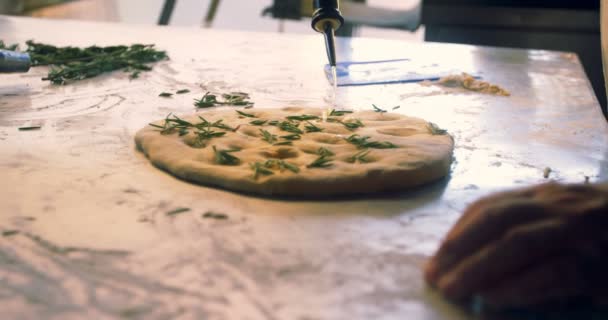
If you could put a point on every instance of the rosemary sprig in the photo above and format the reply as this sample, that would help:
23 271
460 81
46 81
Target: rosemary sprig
324 152
349 124
281 165
310 127
273 123
336 113
268 137
304 117
292 137
359 156
283 143
435 129
378 109
244 114
259 169
224 157
165 94
258 122
182 91
208 100
217 124
177 211
72 64
290 127
363 143
396 107
321 162
29 128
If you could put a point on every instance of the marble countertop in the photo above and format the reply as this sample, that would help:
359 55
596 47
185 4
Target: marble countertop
95 239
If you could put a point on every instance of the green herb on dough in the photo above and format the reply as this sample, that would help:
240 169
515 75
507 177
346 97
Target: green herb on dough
273 123
214 215
363 143
258 122
165 94
291 137
283 143
359 156
304 117
8 233
312 128
224 157
244 114
259 169
281 165
268 137
336 113
321 162
177 211
290 127
325 152
378 109
30 128
182 91
73 64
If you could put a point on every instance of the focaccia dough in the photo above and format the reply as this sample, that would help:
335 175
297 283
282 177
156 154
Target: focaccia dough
422 153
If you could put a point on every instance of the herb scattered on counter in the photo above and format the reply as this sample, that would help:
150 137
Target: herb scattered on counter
8 233
290 127
310 127
396 107
435 130
321 162
177 211
325 152
224 157
182 91
73 64
363 143
359 156
230 99
258 122
214 215
336 113
304 117
378 109
291 137
268 137
165 94
11 47
259 169
244 114
30 128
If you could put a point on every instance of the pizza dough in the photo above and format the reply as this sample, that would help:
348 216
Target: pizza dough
299 151
468 82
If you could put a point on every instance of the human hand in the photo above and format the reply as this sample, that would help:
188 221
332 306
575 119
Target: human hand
527 247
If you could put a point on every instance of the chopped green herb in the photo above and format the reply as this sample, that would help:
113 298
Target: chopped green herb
208 100
232 99
177 211
214 215
304 117
363 143
359 156
283 143
258 122
293 136
396 107
165 94
435 130
244 114
312 128
321 162
182 91
225 158
202 130
273 123
281 165
378 109
290 127
8 233
268 137
259 169
325 152
336 113
352 124
30 128
134 74
73 64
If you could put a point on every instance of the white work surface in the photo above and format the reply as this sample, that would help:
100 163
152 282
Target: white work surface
95 241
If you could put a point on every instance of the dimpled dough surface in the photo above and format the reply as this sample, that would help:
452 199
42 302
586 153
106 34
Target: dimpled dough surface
421 154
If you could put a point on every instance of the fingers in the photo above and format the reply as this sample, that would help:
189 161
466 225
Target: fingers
555 280
491 223
520 248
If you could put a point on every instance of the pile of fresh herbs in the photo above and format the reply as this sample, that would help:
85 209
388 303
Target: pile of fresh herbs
69 64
